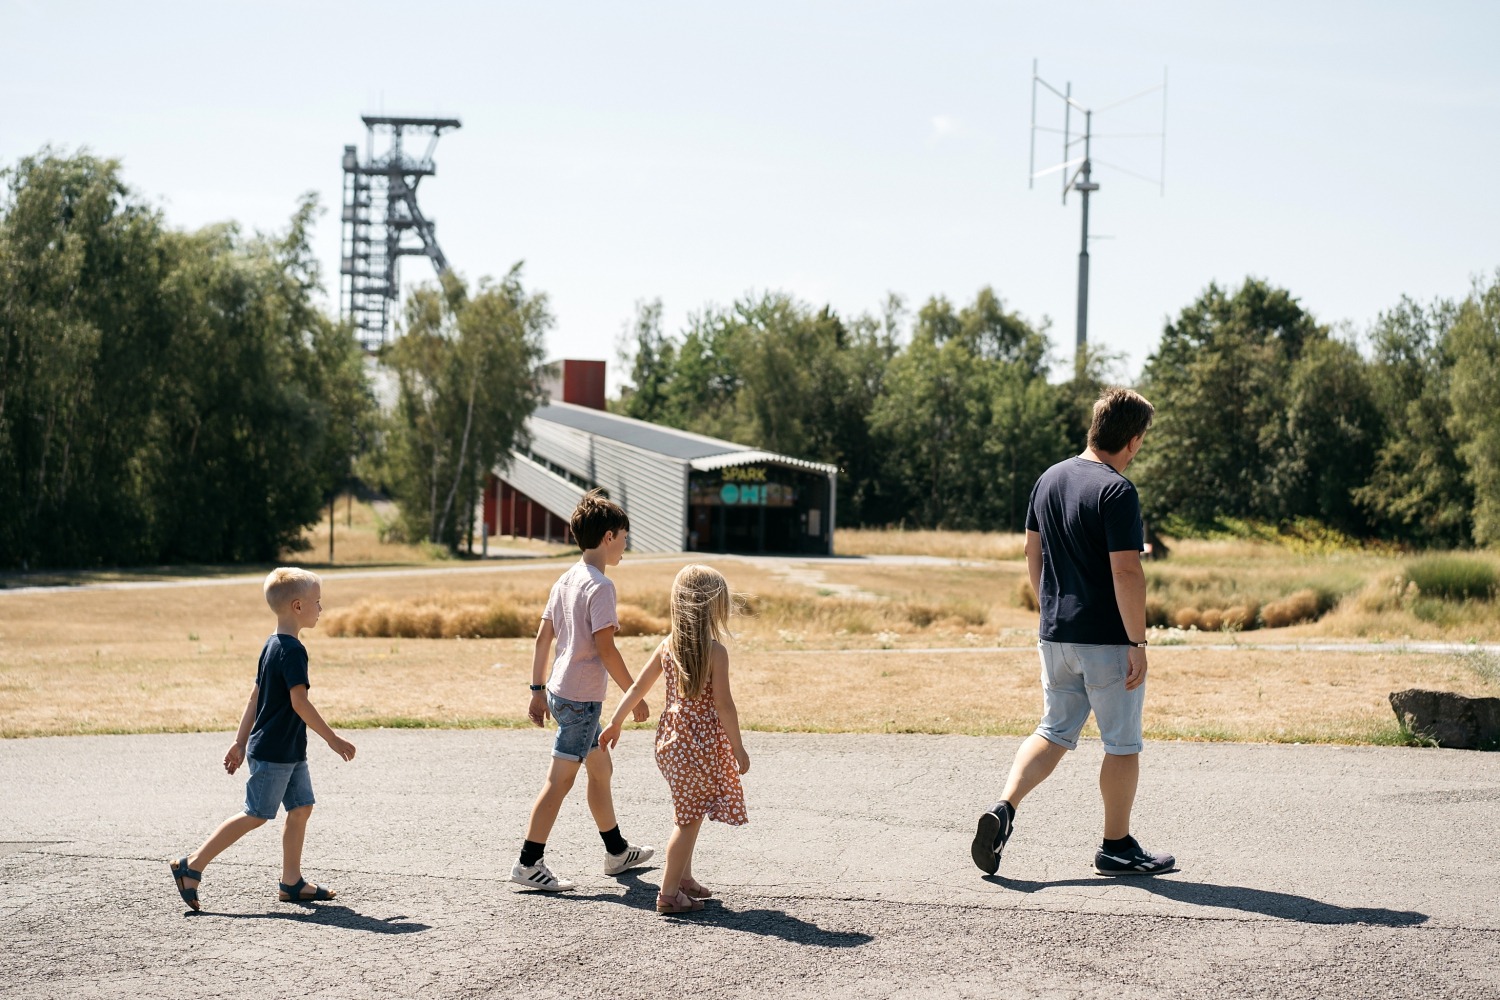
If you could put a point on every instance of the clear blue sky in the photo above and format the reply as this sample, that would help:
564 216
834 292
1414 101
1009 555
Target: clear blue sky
836 150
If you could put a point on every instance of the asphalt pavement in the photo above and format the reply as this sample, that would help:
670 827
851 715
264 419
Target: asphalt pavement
1304 871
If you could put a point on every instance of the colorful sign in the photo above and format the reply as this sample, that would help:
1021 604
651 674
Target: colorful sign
743 495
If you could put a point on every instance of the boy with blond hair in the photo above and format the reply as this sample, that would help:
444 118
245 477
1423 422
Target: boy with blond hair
580 615
273 738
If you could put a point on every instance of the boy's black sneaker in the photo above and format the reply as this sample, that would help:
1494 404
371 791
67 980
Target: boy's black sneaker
1135 860
995 827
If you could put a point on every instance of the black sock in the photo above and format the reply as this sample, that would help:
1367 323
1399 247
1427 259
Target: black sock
613 842
1125 843
531 853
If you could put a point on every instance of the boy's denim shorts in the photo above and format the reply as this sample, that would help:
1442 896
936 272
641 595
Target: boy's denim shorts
273 784
1077 678
578 726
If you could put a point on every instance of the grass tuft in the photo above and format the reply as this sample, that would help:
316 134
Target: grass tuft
1454 578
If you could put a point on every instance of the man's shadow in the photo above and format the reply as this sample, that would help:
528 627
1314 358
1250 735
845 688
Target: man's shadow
327 915
641 895
1284 905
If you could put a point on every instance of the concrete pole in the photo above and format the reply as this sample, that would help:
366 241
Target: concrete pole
1085 187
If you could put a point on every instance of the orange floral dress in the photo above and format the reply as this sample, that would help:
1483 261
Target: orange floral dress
696 757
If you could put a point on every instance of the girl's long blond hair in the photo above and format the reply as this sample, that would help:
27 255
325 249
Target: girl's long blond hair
700 616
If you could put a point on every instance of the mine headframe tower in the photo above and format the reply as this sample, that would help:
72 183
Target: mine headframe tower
382 222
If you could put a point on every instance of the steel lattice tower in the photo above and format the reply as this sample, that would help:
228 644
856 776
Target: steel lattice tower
382 222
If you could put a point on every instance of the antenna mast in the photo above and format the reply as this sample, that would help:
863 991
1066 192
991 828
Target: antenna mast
1081 180
380 209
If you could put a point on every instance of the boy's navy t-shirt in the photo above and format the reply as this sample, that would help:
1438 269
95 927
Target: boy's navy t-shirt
1084 511
279 734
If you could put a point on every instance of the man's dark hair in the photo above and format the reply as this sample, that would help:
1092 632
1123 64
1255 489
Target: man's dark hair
595 514
1119 415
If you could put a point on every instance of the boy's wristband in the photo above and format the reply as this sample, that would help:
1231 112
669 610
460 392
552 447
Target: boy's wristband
537 687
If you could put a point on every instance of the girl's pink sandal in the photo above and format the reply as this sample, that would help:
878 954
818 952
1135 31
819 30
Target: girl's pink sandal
680 903
696 889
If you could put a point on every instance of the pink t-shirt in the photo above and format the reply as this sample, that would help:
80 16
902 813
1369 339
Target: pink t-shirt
581 603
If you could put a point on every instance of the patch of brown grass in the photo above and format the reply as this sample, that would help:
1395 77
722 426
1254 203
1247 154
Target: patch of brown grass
946 544
184 659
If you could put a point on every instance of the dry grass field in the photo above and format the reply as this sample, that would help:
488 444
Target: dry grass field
832 646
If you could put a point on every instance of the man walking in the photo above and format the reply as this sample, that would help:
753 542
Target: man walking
1083 550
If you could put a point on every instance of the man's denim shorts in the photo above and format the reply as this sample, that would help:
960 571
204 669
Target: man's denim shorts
271 784
578 726
1077 678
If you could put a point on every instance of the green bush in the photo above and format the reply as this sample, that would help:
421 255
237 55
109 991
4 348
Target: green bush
1453 578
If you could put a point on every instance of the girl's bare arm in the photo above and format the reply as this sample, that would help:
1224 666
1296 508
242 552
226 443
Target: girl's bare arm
729 717
637 691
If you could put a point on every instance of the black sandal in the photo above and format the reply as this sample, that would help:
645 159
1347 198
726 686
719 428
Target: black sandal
181 871
293 893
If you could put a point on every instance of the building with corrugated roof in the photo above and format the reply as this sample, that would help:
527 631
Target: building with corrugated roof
683 492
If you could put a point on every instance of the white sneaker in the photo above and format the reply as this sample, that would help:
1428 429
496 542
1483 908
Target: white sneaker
539 876
631 857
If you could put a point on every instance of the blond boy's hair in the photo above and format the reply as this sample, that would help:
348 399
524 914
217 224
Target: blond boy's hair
285 584
700 617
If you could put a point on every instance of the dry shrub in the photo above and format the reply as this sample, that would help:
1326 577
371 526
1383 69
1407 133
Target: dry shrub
1157 615
952 615
635 620
922 615
1210 619
1186 618
1302 606
1025 597
429 618
1241 617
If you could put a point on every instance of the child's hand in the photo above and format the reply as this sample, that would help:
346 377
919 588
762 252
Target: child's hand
609 737
342 747
234 758
537 710
742 759
641 712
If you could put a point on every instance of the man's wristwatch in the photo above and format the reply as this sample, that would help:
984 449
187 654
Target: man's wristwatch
537 687
1138 645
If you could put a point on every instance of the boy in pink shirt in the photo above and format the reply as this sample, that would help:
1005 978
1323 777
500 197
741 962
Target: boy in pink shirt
580 615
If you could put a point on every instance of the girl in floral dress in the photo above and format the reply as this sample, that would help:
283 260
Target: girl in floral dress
698 745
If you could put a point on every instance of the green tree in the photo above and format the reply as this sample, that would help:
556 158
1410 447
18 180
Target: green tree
1326 442
1416 490
258 411
82 340
1474 343
651 357
164 396
1219 383
464 366
967 420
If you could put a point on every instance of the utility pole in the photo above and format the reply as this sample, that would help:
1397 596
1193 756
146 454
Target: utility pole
1081 180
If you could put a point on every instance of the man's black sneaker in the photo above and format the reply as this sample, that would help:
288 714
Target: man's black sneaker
994 830
1134 861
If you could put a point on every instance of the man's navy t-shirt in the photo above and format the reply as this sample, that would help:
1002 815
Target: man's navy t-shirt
1084 511
279 734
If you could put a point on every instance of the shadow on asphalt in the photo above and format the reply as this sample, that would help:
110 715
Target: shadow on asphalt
1235 897
329 916
641 895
